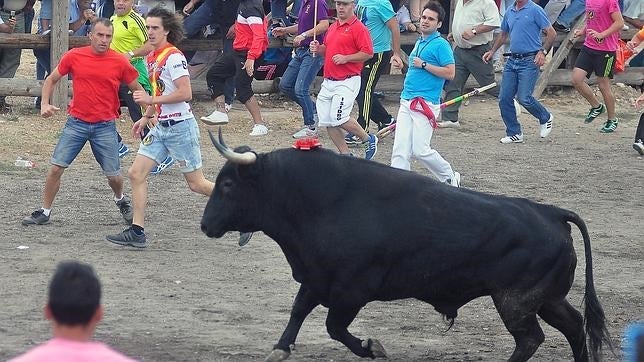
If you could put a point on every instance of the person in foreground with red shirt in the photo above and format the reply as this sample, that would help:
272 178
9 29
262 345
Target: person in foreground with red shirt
74 310
347 45
98 72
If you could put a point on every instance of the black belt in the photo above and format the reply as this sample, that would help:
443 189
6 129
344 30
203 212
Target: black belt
520 55
170 122
16 12
346 77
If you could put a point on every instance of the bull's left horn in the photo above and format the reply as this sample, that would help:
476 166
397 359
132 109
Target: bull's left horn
245 158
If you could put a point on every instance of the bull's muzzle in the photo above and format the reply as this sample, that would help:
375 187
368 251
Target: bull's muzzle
245 158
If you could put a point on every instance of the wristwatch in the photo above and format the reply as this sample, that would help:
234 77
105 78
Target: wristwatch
545 52
423 65
474 31
131 54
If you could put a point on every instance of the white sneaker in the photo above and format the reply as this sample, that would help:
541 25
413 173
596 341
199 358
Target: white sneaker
456 180
259 130
306 132
449 124
228 107
215 118
517 138
546 128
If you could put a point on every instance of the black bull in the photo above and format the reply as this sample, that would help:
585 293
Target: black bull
355 231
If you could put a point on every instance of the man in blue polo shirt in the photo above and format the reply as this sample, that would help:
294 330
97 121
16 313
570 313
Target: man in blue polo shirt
523 23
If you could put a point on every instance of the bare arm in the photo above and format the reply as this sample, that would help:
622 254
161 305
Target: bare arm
143 50
183 93
446 72
392 24
618 23
551 34
46 109
497 44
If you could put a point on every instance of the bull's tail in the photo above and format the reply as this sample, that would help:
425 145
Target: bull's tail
594 318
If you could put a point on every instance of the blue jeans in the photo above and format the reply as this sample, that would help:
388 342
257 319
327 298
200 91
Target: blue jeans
278 10
519 79
181 141
101 137
204 15
571 13
297 79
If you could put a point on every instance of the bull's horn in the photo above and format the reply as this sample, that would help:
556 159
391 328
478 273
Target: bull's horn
245 158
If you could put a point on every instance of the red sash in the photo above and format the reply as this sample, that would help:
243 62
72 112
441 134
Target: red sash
418 104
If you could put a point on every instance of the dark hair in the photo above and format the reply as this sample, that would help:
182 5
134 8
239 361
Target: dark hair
171 22
74 293
437 7
103 21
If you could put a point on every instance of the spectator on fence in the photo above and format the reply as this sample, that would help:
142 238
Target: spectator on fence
597 55
74 310
523 23
472 31
251 40
98 71
221 13
8 26
303 67
10 57
571 13
347 45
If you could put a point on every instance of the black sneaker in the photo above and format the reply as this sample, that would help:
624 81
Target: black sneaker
128 237
125 207
36 218
561 28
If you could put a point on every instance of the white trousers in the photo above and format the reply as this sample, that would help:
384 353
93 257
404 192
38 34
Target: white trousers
413 137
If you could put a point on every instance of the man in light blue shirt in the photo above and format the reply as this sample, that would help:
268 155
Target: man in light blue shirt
380 18
431 63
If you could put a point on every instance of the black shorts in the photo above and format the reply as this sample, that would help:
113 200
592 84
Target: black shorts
601 62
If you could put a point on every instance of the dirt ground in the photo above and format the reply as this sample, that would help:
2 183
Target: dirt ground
190 298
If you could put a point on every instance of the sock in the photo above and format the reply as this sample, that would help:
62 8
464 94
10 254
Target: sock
137 229
46 212
117 199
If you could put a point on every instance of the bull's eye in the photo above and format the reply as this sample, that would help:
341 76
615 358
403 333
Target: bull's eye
226 185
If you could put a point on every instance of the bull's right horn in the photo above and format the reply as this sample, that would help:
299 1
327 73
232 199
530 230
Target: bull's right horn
245 158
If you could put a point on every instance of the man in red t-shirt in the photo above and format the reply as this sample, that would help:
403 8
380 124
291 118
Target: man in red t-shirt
347 45
98 72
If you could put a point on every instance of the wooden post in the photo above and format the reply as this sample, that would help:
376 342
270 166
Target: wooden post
557 58
59 45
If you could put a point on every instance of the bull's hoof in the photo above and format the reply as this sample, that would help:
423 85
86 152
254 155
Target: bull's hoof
277 355
376 348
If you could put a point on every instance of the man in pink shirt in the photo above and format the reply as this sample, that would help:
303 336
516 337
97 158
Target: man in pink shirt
74 309
603 22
